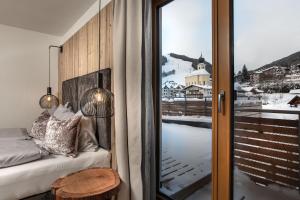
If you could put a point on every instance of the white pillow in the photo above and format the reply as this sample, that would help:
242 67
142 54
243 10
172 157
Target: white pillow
63 113
87 140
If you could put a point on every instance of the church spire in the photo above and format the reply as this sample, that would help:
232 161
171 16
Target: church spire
201 59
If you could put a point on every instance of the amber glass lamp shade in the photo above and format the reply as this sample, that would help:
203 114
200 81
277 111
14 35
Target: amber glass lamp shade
49 101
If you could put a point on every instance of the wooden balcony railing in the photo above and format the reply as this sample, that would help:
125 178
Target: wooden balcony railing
267 146
187 108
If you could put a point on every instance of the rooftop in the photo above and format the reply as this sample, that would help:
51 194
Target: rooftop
199 72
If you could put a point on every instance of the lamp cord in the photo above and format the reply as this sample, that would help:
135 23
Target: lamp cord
99 34
49 66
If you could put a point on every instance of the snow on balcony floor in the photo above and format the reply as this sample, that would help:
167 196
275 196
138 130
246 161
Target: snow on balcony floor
193 118
186 156
245 189
191 147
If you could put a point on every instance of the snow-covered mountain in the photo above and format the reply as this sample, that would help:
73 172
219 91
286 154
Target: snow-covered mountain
182 68
175 67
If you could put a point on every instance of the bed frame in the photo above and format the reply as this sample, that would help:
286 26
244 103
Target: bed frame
72 91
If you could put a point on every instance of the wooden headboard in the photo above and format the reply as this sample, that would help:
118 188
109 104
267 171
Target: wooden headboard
72 91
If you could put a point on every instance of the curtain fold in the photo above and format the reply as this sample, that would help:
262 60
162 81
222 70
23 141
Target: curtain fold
148 130
127 70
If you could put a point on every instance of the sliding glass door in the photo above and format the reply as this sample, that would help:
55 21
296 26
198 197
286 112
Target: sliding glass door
192 88
185 99
266 101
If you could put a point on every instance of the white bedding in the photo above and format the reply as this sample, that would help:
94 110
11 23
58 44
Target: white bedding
36 177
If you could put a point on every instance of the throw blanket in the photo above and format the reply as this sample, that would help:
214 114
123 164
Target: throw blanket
16 148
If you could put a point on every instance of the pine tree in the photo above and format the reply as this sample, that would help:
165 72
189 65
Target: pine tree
245 74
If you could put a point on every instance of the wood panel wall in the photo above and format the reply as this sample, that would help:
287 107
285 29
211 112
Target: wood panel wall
81 52
81 55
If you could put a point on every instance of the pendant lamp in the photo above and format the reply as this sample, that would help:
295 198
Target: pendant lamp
49 101
98 102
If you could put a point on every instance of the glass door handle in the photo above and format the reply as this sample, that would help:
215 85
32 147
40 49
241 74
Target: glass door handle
221 98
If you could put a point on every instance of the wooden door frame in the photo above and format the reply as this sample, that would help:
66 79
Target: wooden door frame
156 5
222 80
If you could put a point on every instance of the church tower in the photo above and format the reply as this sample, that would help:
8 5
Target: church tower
201 63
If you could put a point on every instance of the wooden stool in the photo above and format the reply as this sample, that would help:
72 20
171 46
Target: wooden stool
88 184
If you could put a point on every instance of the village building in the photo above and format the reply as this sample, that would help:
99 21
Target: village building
256 77
238 77
293 78
171 90
269 74
198 91
199 76
248 91
295 69
294 102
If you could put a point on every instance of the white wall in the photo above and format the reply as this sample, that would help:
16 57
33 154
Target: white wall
24 74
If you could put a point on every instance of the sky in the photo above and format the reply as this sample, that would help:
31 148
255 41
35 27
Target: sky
264 30
186 28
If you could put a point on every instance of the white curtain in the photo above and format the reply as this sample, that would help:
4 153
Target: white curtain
127 70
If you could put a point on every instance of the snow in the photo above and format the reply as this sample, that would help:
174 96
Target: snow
278 101
208 87
170 100
246 189
237 86
188 99
171 84
198 72
297 91
194 118
192 146
188 146
250 89
182 68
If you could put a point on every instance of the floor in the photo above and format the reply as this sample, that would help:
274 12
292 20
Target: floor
186 157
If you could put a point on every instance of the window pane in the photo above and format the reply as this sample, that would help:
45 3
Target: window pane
186 101
267 95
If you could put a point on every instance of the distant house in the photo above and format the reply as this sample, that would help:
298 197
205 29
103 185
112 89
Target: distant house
165 91
295 101
256 77
293 78
269 74
238 77
250 91
198 91
171 89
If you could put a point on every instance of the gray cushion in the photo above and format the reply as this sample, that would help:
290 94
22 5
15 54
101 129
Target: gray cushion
87 140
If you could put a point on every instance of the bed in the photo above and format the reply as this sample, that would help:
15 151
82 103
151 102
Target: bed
36 177
33 180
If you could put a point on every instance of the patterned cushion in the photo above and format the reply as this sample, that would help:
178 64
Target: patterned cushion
38 129
61 136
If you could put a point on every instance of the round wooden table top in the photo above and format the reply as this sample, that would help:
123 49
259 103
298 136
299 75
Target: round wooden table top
95 182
